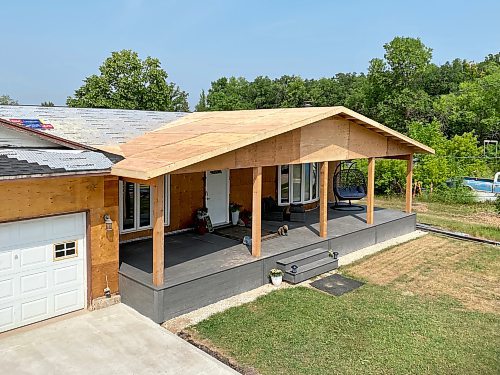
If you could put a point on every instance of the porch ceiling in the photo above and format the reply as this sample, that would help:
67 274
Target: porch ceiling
201 136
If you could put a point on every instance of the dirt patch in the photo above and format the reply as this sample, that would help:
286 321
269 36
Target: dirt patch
486 218
437 266
205 345
420 207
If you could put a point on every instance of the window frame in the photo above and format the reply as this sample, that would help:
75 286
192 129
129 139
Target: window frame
137 227
313 194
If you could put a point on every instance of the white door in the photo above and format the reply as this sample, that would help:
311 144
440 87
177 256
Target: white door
217 196
42 269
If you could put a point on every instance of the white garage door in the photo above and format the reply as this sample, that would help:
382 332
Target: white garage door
42 269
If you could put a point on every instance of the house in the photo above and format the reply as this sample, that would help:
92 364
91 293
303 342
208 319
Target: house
99 201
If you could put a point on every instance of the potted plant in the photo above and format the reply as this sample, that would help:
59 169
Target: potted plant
276 276
235 212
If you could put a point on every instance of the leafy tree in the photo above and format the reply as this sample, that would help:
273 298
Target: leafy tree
408 59
202 103
7 100
229 94
125 81
475 106
47 104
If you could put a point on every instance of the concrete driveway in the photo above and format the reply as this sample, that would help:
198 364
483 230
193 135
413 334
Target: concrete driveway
115 340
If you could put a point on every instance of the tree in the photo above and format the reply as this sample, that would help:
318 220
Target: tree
7 100
47 104
408 59
475 106
125 81
202 103
229 94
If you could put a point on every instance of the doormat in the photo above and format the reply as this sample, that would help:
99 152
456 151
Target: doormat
237 233
336 284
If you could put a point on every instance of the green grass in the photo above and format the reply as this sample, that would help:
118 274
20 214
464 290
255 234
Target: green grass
456 217
373 330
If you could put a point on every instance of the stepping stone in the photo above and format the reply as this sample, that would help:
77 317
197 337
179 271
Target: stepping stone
336 284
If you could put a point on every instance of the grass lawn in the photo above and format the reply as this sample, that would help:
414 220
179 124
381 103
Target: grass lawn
406 319
477 219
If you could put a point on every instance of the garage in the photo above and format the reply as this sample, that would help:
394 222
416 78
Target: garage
42 269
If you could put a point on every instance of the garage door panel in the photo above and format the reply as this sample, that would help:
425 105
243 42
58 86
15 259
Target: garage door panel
34 284
67 301
67 274
6 318
6 289
36 309
35 256
6 262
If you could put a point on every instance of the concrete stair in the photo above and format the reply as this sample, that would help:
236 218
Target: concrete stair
308 264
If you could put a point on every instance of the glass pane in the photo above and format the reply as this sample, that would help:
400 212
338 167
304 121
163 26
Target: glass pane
297 182
285 186
128 205
144 205
315 180
307 181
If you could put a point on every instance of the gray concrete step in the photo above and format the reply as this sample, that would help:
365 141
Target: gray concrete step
301 259
312 269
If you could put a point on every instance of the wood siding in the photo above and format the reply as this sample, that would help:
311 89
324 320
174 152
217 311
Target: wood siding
240 190
34 198
326 140
187 194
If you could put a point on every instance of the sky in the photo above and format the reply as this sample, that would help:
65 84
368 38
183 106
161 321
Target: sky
49 47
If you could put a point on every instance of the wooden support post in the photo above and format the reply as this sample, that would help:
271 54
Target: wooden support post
409 183
158 230
323 199
370 194
332 165
256 211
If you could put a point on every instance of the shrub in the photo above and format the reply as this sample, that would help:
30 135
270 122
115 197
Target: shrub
444 194
497 204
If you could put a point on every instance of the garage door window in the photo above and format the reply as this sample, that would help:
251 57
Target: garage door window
65 250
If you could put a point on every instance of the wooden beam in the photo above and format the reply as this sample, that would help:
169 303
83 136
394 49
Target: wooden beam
256 211
158 231
323 199
370 194
409 183
332 165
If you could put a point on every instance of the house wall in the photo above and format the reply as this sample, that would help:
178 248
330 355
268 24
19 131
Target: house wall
39 197
187 194
240 190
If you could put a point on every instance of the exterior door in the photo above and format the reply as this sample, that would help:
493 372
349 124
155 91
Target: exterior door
217 196
42 269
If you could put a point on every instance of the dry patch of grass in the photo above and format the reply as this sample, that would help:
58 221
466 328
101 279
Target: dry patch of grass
438 266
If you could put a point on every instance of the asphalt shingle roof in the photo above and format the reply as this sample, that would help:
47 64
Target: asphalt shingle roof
89 126
24 162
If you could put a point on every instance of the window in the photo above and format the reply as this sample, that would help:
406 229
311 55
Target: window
136 206
65 250
298 182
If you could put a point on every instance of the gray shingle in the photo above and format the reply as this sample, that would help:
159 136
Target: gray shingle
92 126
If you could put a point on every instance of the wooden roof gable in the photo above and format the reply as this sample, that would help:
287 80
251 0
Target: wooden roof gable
201 136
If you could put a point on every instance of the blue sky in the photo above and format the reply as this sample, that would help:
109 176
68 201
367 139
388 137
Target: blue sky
49 47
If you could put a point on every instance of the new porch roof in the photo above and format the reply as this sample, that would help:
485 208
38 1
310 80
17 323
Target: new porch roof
202 136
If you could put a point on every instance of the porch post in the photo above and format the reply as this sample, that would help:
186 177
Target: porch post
323 199
370 194
332 165
409 183
256 211
158 230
